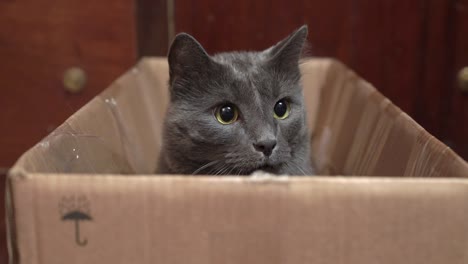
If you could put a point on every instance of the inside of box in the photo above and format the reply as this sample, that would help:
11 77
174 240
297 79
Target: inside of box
354 129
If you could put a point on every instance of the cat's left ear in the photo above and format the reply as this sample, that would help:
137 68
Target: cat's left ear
286 53
186 56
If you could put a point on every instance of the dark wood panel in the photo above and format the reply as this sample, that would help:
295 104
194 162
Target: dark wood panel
153 29
3 243
431 102
387 36
38 42
402 47
255 25
455 130
362 33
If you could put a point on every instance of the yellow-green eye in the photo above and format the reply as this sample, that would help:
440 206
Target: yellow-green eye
227 114
281 109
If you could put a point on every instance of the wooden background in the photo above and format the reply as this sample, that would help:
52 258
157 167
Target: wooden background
410 50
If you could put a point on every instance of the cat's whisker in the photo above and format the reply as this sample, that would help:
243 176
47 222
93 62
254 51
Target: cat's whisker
221 171
218 172
215 169
299 168
227 170
236 170
290 167
205 166
232 168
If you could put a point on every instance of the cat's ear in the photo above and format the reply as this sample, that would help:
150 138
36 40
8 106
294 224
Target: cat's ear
186 56
286 53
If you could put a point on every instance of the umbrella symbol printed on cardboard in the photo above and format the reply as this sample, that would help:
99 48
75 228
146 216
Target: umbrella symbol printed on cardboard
75 209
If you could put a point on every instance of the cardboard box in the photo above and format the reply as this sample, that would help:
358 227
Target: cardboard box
85 194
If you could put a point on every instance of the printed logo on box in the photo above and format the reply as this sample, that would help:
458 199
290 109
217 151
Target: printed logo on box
76 209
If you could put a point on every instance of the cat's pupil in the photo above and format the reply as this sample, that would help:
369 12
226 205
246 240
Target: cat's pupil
281 108
227 113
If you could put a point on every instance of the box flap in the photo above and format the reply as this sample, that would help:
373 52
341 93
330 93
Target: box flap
116 132
358 131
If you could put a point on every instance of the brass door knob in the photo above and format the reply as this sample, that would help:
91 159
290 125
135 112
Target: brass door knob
463 80
74 80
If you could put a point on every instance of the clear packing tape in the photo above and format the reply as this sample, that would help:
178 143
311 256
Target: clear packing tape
356 130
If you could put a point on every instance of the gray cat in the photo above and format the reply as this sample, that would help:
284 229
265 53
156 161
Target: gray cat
235 113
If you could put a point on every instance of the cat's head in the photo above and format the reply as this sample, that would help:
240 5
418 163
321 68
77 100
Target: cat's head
233 113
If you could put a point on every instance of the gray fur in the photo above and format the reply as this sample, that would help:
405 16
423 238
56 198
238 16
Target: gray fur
196 143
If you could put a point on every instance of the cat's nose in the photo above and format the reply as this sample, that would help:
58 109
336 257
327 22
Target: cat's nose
265 146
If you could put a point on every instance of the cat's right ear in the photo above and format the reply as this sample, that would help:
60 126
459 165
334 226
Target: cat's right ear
186 56
285 54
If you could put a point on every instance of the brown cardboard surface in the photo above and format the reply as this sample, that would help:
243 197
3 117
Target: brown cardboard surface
146 219
153 219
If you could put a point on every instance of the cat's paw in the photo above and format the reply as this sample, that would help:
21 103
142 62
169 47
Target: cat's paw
261 174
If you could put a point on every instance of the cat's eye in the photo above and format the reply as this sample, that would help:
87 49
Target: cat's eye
281 109
227 114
